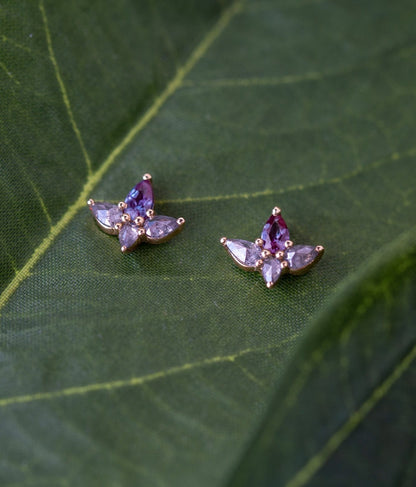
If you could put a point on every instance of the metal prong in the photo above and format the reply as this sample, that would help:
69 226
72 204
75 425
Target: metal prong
259 242
141 232
284 264
269 285
124 249
280 255
125 218
122 205
288 244
259 264
150 213
147 176
180 221
90 202
265 254
118 226
139 221
276 211
223 240
319 248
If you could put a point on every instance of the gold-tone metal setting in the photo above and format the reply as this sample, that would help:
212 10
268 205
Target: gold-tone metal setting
289 261
139 221
172 226
265 254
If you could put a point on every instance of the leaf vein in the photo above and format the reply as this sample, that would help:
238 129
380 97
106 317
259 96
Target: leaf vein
95 177
393 157
62 87
137 381
318 460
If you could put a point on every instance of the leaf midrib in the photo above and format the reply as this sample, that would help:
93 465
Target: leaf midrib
96 176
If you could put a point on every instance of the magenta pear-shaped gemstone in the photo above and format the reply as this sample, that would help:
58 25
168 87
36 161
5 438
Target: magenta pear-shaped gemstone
140 199
275 233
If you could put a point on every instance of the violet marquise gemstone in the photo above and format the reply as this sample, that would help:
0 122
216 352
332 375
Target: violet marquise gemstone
160 228
271 270
275 233
129 236
140 199
301 256
106 215
245 253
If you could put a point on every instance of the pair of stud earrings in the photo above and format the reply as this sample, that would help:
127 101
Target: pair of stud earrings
134 221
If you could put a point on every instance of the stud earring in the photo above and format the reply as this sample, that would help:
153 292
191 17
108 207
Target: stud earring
134 220
273 254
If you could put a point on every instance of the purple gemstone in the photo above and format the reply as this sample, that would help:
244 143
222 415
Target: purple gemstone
160 228
271 271
129 236
140 199
106 215
275 233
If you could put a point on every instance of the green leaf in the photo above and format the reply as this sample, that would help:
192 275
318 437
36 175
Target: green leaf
344 411
157 368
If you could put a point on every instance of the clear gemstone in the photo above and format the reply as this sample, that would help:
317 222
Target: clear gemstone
160 227
300 256
275 233
129 236
271 270
107 215
243 252
140 199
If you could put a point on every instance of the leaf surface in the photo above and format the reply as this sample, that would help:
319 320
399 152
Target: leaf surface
156 368
343 411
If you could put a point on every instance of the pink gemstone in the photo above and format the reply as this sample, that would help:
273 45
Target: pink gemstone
275 233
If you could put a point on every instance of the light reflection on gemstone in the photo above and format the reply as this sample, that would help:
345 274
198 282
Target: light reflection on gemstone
300 256
106 215
275 233
129 236
160 227
140 199
271 270
245 253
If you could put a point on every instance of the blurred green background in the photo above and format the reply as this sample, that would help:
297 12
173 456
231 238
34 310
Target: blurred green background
171 366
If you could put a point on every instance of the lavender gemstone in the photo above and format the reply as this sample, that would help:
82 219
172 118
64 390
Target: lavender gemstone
106 215
140 199
275 233
160 228
243 252
300 256
271 270
129 236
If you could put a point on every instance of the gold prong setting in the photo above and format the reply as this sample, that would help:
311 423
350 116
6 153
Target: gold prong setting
134 220
275 256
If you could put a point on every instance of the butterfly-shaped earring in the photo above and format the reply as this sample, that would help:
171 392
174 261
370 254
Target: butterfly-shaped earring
273 254
134 220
